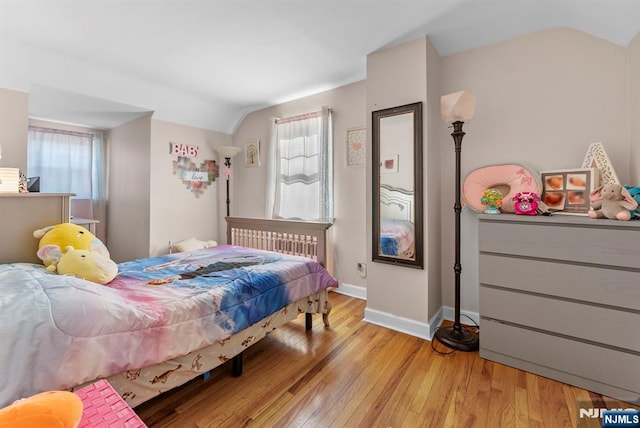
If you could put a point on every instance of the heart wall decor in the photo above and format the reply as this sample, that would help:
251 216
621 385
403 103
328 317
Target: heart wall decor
196 178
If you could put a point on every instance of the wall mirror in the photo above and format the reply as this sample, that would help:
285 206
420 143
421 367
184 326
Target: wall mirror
397 185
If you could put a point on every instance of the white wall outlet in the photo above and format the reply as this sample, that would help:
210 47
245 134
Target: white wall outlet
362 270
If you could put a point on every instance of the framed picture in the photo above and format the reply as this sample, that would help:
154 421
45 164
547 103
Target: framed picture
388 164
252 153
567 191
356 147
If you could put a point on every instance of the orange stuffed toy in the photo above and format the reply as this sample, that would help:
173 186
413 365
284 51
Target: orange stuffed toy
53 409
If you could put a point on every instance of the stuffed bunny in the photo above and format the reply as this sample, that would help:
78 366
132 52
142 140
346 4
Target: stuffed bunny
612 201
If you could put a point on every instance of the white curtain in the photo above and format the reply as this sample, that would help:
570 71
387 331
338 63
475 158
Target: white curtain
99 183
300 162
70 162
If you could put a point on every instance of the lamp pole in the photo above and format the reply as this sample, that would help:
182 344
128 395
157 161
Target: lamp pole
457 135
455 336
227 163
227 152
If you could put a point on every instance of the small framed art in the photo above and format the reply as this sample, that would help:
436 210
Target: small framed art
567 191
252 153
356 147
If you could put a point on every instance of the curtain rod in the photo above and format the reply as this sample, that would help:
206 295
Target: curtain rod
60 131
299 117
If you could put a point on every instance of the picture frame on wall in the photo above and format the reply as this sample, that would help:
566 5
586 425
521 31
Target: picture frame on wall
356 147
252 153
567 191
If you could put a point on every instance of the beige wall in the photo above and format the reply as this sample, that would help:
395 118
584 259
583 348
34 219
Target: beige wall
128 211
176 213
148 205
398 76
634 111
433 151
350 209
14 108
541 100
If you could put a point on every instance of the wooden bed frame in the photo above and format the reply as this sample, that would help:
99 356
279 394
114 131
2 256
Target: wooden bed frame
306 239
298 238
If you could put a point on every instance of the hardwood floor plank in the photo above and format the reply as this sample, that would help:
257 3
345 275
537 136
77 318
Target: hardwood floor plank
355 374
346 385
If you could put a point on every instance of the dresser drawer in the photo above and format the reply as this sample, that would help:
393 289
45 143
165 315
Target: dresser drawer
599 245
607 366
598 324
599 285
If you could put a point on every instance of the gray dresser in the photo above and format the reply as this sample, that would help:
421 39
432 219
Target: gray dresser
560 297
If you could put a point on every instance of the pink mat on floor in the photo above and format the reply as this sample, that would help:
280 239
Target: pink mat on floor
103 407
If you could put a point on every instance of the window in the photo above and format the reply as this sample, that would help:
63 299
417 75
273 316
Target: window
62 160
70 162
300 185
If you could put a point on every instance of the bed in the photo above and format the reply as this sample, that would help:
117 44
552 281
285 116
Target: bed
164 320
397 234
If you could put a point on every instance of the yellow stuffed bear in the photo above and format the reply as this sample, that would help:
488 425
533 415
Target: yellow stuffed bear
83 264
68 234
59 409
69 249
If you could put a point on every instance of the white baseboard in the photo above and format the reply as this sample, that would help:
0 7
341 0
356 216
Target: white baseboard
416 328
435 321
394 322
352 290
450 314
406 325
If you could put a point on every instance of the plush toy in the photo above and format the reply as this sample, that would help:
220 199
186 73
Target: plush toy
526 203
612 201
69 234
83 264
634 191
492 199
60 409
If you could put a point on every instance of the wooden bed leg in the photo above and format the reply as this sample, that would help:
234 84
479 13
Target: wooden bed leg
308 321
325 315
325 319
236 365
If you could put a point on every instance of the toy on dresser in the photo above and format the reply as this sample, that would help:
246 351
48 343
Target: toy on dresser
526 203
612 201
492 199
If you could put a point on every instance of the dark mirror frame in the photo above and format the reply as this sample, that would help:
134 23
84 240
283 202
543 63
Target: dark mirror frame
416 110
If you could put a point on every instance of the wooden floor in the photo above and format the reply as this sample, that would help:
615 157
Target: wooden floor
355 374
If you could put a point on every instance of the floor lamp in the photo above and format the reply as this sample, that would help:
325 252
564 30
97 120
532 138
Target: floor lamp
457 108
227 152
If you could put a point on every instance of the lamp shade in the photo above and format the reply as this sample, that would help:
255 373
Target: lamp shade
227 151
9 180
458 106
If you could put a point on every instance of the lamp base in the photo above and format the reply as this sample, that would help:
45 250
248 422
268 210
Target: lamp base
458 339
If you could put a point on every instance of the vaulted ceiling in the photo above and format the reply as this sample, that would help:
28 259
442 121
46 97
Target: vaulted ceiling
207 63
